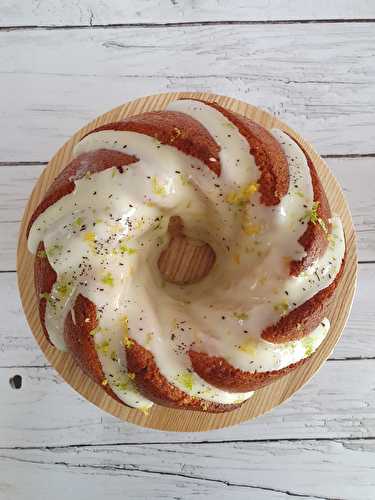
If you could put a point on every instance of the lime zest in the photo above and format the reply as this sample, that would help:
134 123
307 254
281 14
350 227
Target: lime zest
53 250
157 187
281 307
125 249
251 229
108 279
241 316
308 344
186 379
104 346
78 221
47 297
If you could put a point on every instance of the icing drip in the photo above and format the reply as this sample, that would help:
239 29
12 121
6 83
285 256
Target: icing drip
103 240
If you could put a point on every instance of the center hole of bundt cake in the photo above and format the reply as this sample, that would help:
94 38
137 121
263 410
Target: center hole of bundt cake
185 260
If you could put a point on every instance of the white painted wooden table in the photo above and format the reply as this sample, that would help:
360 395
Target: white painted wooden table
62 62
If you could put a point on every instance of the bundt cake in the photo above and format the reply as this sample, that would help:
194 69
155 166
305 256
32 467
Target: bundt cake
249 209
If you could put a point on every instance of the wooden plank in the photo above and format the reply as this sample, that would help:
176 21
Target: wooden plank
338 402
352 174
16 183
99 12
311 469
18 347
299 72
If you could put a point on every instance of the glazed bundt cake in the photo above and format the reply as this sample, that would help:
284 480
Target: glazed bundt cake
263 257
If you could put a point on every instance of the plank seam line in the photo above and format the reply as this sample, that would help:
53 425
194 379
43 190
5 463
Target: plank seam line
184 24
129 469
203 442
22 163
229 77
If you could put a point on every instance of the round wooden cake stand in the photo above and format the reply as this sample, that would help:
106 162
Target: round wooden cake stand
159 417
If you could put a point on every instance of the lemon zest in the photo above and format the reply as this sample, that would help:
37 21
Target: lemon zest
249 347
145 410
282 307
251 229
89 236
242 196
241 315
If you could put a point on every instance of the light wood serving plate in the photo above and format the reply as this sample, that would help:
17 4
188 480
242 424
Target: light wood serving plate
160 417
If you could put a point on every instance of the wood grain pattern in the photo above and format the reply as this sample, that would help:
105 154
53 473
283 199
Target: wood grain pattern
102 12
259 471
162 418
319 78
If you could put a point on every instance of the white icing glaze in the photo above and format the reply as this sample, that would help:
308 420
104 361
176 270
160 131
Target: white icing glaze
104 239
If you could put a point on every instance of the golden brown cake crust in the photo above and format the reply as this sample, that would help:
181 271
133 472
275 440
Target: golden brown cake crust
87 162
268 154
221 374
188 135
305 318
175 129
44 279
314 239
81 344
295 325
156 387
